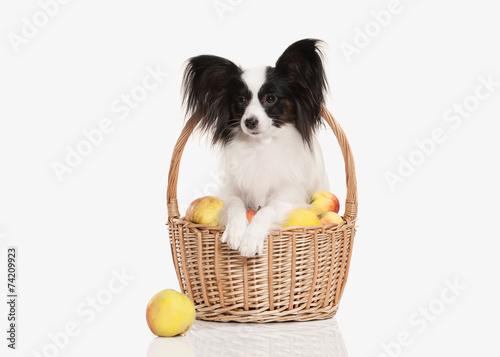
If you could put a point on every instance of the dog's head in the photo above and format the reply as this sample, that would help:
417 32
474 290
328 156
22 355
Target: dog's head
257 102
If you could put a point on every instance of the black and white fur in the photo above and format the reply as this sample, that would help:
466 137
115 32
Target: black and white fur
263 120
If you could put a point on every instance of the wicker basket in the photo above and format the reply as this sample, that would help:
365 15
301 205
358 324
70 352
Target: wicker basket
300 276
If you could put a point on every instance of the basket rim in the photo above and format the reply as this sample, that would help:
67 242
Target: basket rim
348 222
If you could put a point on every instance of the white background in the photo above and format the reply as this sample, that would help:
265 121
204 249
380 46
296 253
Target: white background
107 215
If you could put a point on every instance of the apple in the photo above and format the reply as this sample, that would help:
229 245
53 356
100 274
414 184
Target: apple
170 313
205 210
330 217
250 214
302 217
323 201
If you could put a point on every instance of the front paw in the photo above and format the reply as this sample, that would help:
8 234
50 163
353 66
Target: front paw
253 240
233 234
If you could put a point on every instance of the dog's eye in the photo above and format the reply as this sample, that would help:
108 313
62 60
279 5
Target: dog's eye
241 100
270 99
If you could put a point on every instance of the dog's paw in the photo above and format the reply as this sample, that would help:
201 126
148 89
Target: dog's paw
253 240
233 234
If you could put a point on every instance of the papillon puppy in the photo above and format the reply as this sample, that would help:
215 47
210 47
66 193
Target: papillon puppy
263 120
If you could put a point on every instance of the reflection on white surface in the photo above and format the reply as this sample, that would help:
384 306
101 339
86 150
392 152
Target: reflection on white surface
179 346
290 339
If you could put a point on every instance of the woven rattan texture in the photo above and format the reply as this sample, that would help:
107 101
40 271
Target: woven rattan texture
300 276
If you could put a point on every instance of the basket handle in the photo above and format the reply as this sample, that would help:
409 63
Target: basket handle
351 200
351 204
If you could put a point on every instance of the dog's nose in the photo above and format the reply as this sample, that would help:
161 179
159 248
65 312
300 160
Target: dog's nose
251 123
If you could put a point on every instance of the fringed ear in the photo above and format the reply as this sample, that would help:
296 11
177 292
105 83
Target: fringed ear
206 91
302 66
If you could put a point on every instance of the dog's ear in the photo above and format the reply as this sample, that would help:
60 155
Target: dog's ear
206 85
302 64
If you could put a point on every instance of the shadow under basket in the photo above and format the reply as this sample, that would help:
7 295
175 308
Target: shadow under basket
300 276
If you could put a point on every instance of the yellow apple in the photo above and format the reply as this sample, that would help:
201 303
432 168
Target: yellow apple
302 217
170 313
205 210
330 217
323 201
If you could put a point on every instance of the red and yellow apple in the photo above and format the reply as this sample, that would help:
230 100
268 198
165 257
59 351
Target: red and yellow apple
205 210
330 217
250 214
170 313
323 201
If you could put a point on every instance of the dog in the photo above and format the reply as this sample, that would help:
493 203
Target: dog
263 120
